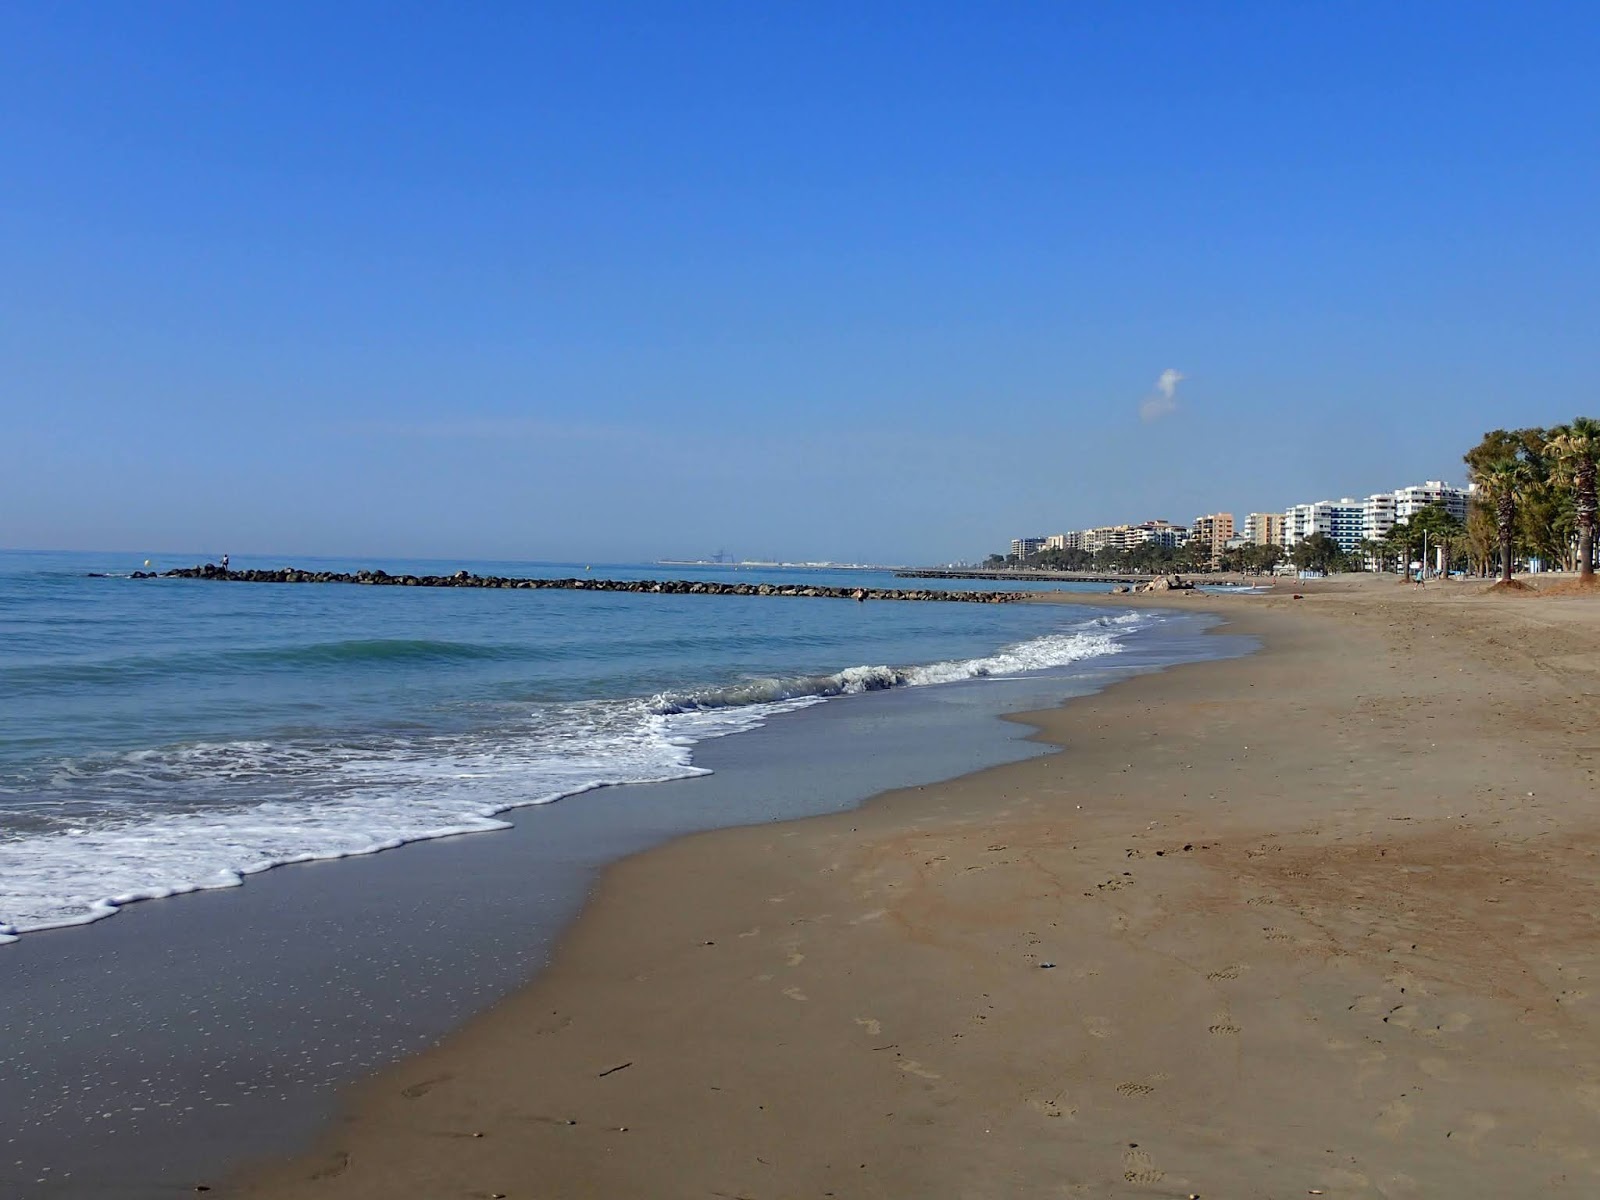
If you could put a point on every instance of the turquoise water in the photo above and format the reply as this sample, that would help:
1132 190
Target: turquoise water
164 736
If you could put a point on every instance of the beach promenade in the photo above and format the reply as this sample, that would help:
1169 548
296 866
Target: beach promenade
1324 920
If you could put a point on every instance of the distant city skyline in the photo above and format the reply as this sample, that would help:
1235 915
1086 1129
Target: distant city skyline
622 283
1347 520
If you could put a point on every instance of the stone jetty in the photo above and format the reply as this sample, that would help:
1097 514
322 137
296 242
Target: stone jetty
672 587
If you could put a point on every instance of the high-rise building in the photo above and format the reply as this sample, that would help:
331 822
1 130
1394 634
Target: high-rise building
1377 515
1409 501
1264 529
1163 533
1337 519
1026 547
1215 530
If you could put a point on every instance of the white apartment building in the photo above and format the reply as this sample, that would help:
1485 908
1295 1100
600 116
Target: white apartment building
1340 520
1163 533
1377 515
1026 547
1409 501
1126 537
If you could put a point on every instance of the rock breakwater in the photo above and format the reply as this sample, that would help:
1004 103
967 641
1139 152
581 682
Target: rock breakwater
673 587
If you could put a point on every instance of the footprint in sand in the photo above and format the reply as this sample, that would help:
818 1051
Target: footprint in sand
1370 1066
1224 1027
912 1067
796 959
795 993
1342 1177
873 1026
1134 1089
1438 1068
1139 1167
1231 971
1393 1118
1402 1015
418 1090
333 1166
1479 1125
1099 1027
1051 1106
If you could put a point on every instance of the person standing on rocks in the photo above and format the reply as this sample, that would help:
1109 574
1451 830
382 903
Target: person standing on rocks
224 562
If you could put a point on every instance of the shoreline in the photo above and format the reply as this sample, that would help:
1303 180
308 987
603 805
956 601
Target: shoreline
693 712
1159 962
172 1100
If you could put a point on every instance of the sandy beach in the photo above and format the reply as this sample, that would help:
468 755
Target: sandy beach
1322 920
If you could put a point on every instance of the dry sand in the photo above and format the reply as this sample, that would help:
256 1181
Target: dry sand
1322 920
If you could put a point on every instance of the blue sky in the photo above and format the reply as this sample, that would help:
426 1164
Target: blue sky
884 282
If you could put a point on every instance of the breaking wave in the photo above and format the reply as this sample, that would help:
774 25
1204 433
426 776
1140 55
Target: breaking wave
97 833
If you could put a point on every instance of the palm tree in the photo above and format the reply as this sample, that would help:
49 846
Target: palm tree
1576 450
1503 482
1400 539
1451 530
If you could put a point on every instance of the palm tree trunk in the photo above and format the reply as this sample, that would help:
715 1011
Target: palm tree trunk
1507 515
1586 515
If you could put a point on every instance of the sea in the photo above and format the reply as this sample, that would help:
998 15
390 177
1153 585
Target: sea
174 735
168 736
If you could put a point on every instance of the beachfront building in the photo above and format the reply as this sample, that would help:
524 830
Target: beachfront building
1097 539
1072 540
1126 537
1215 530
1026 547
1377 516
1162 533
1264 529
1409 501
1340 520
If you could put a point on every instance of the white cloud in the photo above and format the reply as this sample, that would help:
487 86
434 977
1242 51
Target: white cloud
1165 401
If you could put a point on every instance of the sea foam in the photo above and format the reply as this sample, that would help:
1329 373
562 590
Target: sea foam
326 801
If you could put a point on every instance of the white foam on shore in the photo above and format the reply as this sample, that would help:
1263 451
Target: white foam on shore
1097 639
336 801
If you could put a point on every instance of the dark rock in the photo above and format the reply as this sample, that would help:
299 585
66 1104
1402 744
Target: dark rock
675 587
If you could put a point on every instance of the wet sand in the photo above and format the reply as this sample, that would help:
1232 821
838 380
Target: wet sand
153 1052
1321 920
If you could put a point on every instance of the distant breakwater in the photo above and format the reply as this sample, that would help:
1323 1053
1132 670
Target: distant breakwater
672 587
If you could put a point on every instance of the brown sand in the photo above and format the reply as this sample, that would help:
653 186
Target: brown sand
1326 919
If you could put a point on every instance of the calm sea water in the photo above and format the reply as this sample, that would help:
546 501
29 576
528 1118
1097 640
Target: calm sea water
165 736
